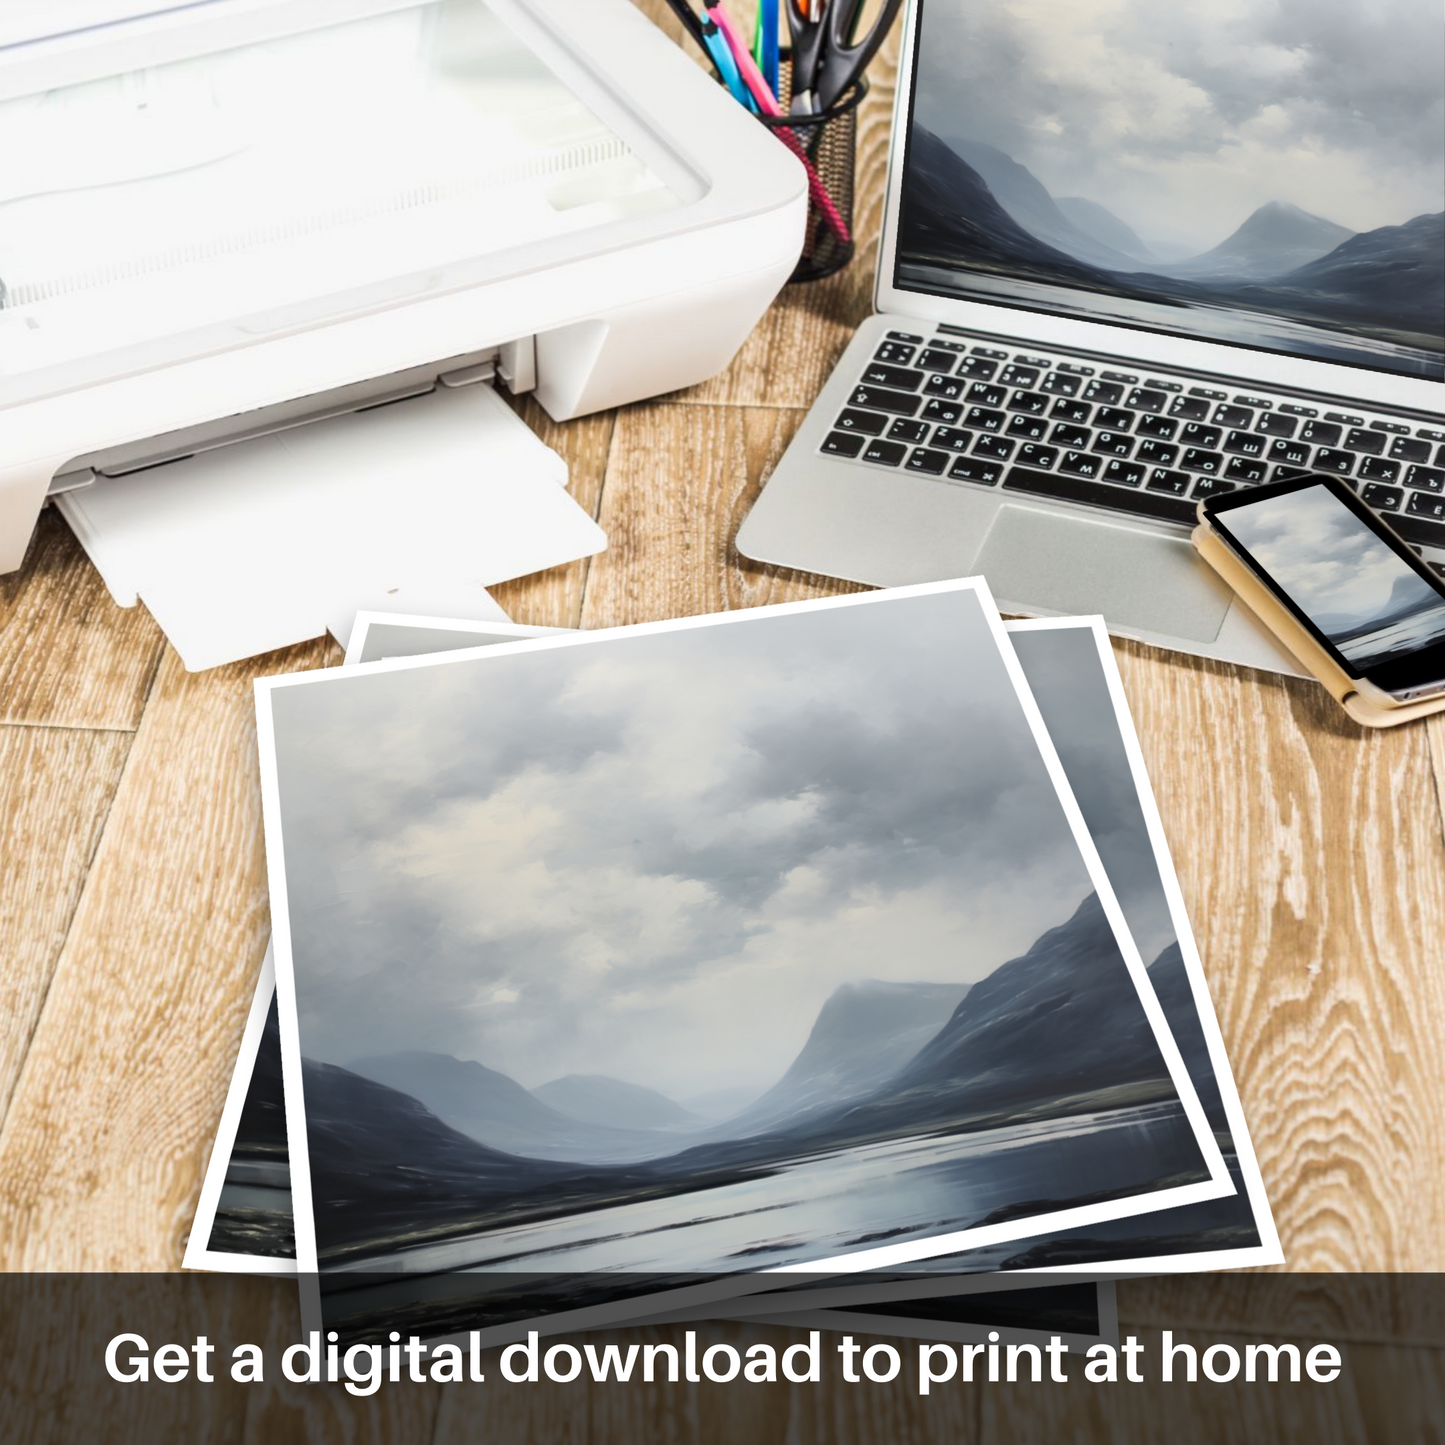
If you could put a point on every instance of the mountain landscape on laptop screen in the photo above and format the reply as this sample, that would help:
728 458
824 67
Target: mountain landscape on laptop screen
1266 175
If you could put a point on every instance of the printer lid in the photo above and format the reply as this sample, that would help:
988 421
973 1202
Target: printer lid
182 178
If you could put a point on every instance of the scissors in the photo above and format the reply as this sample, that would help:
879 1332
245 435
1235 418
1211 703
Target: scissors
828 56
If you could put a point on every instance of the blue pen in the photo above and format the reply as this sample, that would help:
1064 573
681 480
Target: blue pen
727 67
768 29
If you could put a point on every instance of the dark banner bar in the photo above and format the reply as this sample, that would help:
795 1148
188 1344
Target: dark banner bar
1321 1358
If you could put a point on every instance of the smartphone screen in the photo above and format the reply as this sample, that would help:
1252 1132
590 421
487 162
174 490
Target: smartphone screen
1376 607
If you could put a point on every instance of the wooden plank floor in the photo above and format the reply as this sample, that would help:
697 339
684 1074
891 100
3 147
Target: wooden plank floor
133 909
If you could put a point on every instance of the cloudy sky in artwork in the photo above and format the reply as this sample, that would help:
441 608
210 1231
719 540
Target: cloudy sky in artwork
655 857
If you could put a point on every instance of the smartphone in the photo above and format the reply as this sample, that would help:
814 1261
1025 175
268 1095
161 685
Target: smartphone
1371 604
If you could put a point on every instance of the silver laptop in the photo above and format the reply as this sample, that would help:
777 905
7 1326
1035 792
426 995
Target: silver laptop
1134 253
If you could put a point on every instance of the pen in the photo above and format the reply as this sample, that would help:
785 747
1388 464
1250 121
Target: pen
715 41
688 18
748 70
765 42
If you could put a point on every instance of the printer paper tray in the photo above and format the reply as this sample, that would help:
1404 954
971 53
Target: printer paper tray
417 506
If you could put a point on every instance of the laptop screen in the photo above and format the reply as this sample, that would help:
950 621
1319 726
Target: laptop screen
1264 173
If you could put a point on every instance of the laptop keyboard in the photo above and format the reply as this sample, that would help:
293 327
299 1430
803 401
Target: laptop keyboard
1141 445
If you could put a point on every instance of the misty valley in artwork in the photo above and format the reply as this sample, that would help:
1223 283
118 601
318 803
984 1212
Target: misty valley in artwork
1267 175
696 953
864 1031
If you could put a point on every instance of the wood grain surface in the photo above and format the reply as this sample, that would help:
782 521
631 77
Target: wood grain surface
133 916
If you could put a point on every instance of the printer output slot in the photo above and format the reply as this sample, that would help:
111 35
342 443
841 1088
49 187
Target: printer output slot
513 362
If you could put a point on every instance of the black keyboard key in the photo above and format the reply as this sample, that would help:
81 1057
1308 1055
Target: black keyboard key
843 444
1032 456
1372 443
1072 488
1124 474
1419 530
1060 383
983 419
877 374
1321 433
906 430
1127 377
1143 398
1112 444
1344 418
1290 474
1199 460
1032 428
1208 394
955 439
1290 453
923 459
895 353
1377 469
982 394
989 351
1019 376
974 469
1076 370
995 447
977 368
867 422
936 409
1382 498
1156 454
1293 410
1189 408
1395 428
1405 449
1211 487
1162 385
886 454
959 346
1427 479
1271 424
1075 411
1113 418
1440 457
1245 444
1038 362
948 387
905 336
879 398
1107 392
1329 459
1430 435
1233 416
1244 469
1157 426
1035 403
1081 464
1161 479
935 360
1423 504
1195 435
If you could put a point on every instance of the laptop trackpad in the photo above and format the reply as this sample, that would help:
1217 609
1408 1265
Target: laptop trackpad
1071 564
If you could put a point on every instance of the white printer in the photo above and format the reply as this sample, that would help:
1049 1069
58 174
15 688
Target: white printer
225 219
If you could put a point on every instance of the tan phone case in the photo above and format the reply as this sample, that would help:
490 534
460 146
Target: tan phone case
1366 708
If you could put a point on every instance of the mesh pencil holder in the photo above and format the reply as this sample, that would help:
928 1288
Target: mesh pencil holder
827 144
